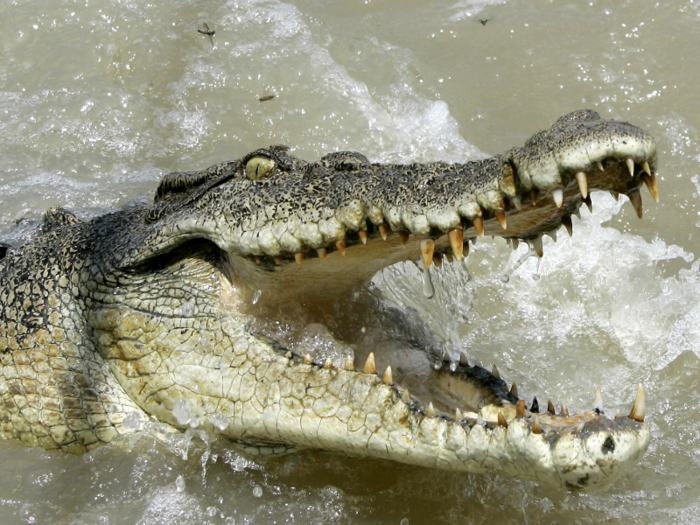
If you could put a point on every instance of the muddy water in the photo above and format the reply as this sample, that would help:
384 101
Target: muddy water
98 99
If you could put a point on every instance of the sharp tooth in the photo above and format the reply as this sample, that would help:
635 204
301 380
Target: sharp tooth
650 181
514 391
535 409
564 411
406 397
258 259
370 367
520 408
645 167
516 202
456 236
640 405
598 400
501 218
553 235
403 236
321 253
340 245
600 166
495 373
278 260
588 202
299 257
427 249
479 225
288 355
502 420
307 359
516 243
618 415
535 193
537 246
383 231
630 166
431 410
328 363
615 195
558 196
458 415
550 408
566 221
349 363
536 428
363 236
388 378
636 200
463 359
582 180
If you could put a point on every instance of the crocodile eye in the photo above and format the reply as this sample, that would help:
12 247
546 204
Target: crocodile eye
259 167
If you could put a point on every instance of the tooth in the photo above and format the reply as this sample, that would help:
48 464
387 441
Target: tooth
564 411
340 245
328 363
598 400
406 397
258 260
383 231
566 221
349 363
636 199
321 253
645 167
288 355
520 408
463 359
479 225
516 202
558 196
582 180
535 196
494 372
537 245
456 236
458 415
650 181
370 367
536 428
615 195
427 249
553 235
431 410
514 391
600 166
516 242
363 236
630 166
588 202
618 415
278 260
388 378
403 236
535 409
502 420
299 257
640 405
550 408
580 426
501 218
307 359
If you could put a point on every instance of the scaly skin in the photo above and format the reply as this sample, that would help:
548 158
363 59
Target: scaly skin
142 310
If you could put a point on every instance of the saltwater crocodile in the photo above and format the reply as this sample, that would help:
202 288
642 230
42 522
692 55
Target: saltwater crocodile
141 312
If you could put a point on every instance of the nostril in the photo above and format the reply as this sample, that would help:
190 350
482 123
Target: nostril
608 445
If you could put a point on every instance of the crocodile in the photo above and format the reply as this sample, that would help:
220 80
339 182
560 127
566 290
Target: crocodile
144 312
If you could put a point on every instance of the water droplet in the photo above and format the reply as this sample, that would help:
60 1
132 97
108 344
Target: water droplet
256 296
257 492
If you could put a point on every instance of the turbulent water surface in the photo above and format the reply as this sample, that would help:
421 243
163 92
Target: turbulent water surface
99 98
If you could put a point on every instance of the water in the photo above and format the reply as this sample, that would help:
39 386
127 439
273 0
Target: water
98 99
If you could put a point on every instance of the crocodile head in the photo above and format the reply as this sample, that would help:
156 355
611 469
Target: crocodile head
165 292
